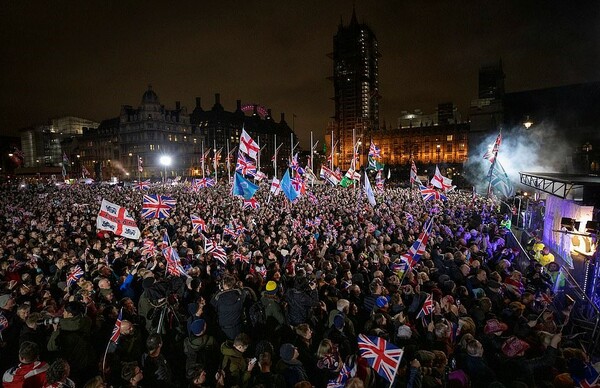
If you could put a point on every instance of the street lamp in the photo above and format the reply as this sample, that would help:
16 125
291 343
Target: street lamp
527 123
166 161
438 150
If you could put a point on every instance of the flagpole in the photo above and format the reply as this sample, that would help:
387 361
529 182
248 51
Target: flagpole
215 161
491 172
292 149
332 147
202 159
228 161
258 154
138 167
274 155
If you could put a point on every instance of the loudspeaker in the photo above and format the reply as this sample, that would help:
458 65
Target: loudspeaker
591 226
567 223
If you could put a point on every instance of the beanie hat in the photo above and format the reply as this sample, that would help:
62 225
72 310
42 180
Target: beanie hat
198 326
513 346
286 352
494 326
4 300
338 321
271 287
381 301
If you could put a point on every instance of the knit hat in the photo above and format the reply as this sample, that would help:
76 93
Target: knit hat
4 300
381 301
339 321
286 352
514 346
404 332
271 287
198 326
494 326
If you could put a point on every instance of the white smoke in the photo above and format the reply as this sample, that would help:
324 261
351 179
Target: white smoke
542 148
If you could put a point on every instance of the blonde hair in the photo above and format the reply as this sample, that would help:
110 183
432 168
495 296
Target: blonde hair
325 347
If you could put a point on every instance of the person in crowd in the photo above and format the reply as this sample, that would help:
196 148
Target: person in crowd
30 373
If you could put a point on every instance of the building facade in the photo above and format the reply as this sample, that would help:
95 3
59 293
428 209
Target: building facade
356 87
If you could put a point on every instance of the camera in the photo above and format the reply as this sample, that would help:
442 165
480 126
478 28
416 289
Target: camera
48 321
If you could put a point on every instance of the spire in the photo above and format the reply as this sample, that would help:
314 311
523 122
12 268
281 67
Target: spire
353 20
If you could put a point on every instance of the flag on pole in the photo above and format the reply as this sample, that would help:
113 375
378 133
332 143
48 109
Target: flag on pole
374 151
74 275
157 206
275 187
330 176
500 181
440 181
373 164
413 173
149 248
173 262
369 191
243 187
248 145
116 219
383 356
245 165
143 185
429 193
116 333
287 188
251 203
415 252
198 224
493 149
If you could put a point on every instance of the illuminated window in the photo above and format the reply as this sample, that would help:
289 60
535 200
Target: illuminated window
461 146
449 138
151 147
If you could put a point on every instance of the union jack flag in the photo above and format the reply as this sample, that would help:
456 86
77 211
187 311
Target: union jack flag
418 248
379 180
143 185
240 229
251 203
198 224
229 231
427 308
312 198
429 193
149 248
209 245
239 257
116 333
413 173
245 165
120 243
73 276
374 151
295 165
173 262
157 206
298 184
492 151
202 183
3 322
347 371
381 355
590 379
217 251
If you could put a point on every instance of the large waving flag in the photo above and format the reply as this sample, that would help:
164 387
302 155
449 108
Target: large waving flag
157 206
369 191
73 276
440 181
379 180
499 180
149 248
287 188
245 165
381 355
116 219
374 151
243 187
275 187
413 173
251 203
330 176
492 151
429 193
373 164
295 165
248 145
198 224
418 248
173 262
143 185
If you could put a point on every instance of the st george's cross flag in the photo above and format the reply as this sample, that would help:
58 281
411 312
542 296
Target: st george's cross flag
157 206
116 219
248 145
275 187
381 355
440 181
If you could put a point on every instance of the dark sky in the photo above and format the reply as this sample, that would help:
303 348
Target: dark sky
87 58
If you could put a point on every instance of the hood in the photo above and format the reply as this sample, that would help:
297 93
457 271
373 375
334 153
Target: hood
227 349
194 343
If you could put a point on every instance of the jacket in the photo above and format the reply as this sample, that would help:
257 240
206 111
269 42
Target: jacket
30 375
235 366
229 306
273 310
72 342
299 305
199 350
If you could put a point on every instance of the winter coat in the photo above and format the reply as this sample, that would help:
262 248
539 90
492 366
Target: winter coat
200 351
235 366
299 305
72 342
229 306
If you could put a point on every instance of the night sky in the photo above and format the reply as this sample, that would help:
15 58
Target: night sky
87 58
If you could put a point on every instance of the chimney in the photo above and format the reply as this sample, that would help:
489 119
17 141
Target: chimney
217 98
282 116
177 105
239 104
198 102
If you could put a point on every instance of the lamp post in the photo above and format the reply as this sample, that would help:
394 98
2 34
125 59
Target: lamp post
438 150
527 123
165 160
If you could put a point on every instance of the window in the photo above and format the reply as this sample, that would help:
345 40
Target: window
461 146
151 147
449 147
449 137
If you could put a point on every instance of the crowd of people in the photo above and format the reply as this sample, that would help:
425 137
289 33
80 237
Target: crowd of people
302 280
